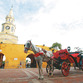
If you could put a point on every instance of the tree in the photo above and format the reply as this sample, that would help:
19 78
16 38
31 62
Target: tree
56 45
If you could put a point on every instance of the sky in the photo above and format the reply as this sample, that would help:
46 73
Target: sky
46 21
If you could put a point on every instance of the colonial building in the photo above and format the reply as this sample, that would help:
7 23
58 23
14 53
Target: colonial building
8 30
13 52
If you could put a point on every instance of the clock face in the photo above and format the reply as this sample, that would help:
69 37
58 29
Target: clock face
7 27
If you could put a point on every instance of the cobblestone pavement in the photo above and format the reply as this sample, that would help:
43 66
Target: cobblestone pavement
30 75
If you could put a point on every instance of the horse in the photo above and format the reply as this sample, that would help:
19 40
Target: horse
40 55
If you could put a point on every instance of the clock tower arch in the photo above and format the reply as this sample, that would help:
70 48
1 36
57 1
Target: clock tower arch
8 29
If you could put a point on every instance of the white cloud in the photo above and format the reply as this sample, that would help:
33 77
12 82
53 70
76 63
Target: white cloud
1 3
21 1
59 24
56 21
49 2
68 10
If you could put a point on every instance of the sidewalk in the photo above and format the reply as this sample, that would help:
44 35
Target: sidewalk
30 75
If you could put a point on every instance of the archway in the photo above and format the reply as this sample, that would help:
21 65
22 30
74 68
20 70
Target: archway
2 60
33 61
28 62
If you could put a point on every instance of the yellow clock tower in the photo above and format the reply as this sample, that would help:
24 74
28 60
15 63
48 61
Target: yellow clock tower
8 30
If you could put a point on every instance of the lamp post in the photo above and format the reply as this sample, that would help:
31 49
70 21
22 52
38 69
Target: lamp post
68 48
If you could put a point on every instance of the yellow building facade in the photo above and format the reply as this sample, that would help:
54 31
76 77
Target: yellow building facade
14 54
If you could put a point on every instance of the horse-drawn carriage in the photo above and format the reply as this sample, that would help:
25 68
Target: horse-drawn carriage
59 60
62 60
78 59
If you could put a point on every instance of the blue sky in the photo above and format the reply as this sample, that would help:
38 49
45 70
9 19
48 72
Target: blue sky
20 7
46 21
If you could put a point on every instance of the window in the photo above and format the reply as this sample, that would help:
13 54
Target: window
3 28
11 21
12 29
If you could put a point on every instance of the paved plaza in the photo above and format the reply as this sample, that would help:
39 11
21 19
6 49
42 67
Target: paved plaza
30 75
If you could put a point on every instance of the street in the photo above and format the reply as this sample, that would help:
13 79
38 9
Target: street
30 75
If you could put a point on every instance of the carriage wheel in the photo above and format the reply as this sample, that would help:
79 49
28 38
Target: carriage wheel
65 68
82 64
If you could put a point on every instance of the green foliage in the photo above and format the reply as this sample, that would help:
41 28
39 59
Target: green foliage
26 61
3 62
56 45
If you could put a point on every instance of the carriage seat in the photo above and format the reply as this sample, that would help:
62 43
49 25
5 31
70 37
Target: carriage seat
76 56
62 54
